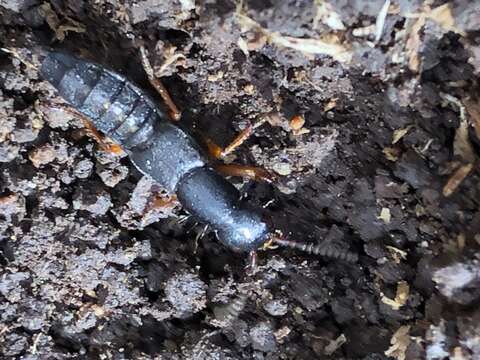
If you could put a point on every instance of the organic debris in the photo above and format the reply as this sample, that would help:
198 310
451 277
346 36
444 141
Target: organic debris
401 297
400 341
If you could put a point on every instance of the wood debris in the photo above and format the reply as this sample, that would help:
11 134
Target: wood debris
392 154
282 333
456 179
401 297
397 254
442 15
385 215
473 110
170 59
412 45
332 103
380 23
328 16
400 341
329 45
462 148
60 27
364 31
334 345
399 134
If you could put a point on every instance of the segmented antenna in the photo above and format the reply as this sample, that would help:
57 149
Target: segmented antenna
320 249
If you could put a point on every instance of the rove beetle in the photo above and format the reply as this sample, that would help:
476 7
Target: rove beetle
163 150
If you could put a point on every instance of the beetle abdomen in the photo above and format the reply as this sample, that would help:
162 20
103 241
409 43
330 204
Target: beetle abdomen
116 106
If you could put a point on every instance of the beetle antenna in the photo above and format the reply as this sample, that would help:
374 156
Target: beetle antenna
320 249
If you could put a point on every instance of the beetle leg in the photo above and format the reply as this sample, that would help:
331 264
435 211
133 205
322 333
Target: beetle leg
251 172
89 127
242 137
174 113
163 202
216 152
238 140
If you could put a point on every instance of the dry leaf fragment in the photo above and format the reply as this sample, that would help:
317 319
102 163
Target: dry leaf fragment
215 77
461 240
334 345
242 44
331 104
42 155
403 289
380 23
50 16
400 341
461 144
462 147
458 354
56 25
391 153
364 31
249 89
397 254
170 59
385 215
329 45
327 15
473 109
400 133
74 26
282 333
412 45
456 179
442 15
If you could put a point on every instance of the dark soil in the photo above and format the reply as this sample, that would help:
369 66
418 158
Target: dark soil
385 166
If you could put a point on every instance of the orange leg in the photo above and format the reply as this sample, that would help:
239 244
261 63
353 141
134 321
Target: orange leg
239 140
174 113
217 152
251 172
89 127
169 201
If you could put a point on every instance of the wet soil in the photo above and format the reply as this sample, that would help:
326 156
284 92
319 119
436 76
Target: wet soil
384 164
